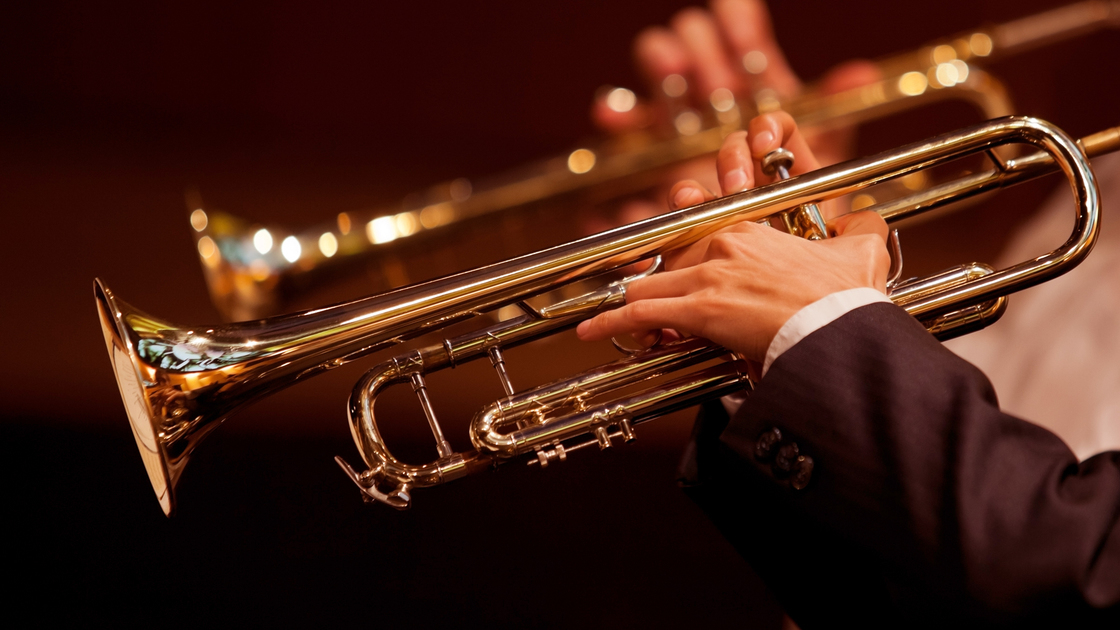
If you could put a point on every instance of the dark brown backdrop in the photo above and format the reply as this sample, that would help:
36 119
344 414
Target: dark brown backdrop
286 111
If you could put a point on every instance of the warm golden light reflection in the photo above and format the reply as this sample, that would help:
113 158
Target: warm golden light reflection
436 215
460 189
916 181
262 240
259 270
964 51
581 161
199 220
687 123
980 44
946 74
291 249
931 77
328 244
943 54
962 70
406 224
209 251
674 85
912 83
343 223
722 100
381 230
861 201
755 62
509 312
621 100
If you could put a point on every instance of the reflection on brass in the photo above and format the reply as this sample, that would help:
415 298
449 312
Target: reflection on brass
198 220
944 70
262 240
581 161
291 249
179 382
328 244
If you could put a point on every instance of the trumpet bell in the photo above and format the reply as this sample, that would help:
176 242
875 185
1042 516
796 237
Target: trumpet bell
179 383
163 460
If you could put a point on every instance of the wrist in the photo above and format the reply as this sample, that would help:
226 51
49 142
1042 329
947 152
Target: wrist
816 316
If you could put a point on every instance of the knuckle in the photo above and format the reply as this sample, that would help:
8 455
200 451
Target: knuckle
709 276
723 243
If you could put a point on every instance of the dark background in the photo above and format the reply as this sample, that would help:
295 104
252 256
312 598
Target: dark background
287 112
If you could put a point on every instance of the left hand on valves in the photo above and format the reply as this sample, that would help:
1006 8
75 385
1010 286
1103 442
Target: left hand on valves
738 286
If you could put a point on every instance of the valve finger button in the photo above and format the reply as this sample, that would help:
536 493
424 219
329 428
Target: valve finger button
627 430
778 161
604 437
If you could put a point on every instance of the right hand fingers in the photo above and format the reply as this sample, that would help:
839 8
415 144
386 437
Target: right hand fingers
696 49
769 132
709 65
749 34
686 194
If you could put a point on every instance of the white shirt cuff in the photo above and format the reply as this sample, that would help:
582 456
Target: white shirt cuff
818 315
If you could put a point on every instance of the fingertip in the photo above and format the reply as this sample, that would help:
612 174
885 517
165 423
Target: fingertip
763 143
733 164
687 17
648 338
862 222
735 180
659 52
685 194
583 329
770 131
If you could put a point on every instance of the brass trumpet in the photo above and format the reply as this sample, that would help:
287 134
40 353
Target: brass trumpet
252 269
178 383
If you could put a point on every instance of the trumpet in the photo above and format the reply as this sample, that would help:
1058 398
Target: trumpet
178 383
251 270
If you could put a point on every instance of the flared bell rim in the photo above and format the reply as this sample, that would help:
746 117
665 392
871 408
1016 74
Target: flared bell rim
145 424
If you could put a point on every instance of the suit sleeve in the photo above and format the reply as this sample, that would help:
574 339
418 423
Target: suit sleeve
914 465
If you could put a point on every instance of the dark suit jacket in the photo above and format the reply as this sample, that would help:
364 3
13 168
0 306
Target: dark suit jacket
926 505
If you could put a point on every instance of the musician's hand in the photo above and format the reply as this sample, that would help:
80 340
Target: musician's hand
740 285
731 46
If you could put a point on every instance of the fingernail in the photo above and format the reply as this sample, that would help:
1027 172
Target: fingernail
734 181
686 197
762 141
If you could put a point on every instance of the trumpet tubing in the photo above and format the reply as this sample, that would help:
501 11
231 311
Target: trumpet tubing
251 269
178 383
